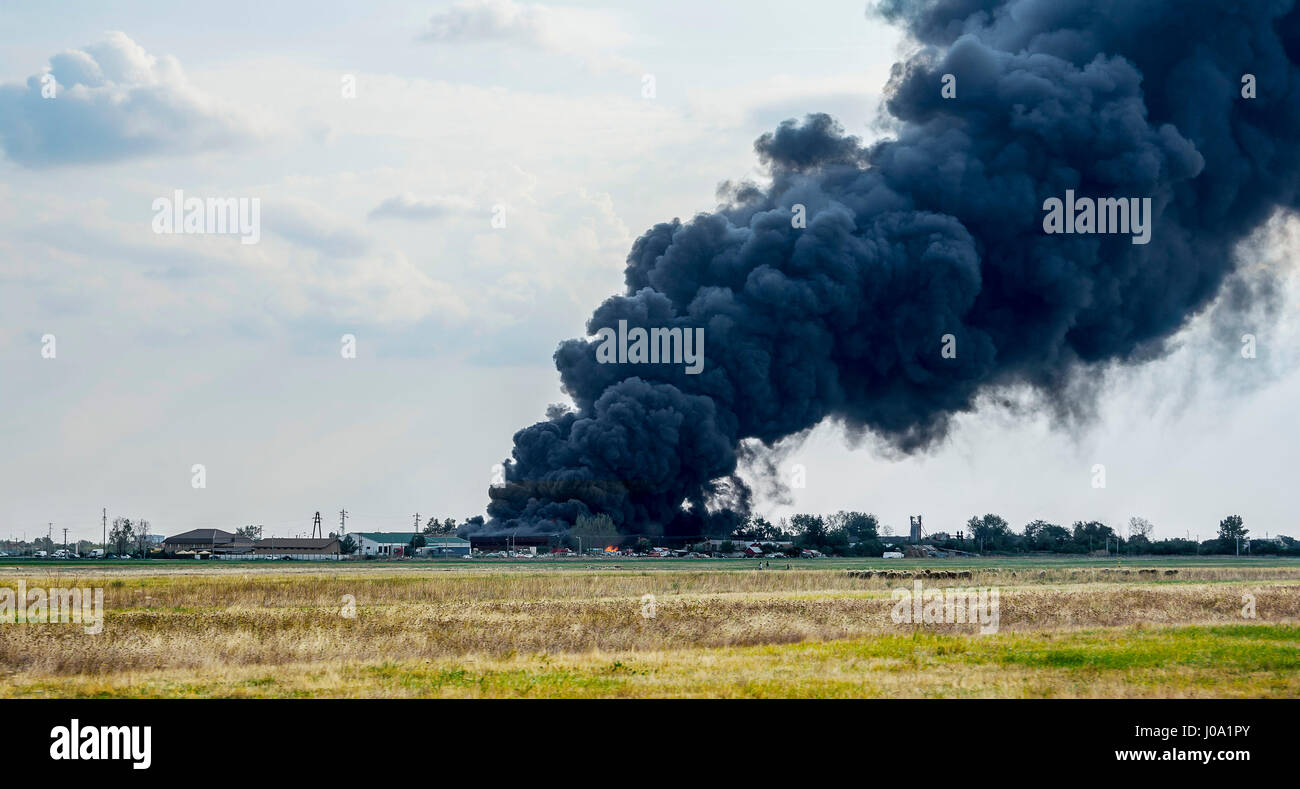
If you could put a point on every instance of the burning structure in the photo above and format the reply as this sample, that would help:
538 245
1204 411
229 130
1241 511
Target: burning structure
886 286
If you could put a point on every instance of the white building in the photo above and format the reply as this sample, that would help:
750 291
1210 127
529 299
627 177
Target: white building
382 543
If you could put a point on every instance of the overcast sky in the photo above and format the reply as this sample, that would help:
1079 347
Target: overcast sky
376 221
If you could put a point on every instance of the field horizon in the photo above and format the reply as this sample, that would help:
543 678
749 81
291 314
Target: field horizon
1068 627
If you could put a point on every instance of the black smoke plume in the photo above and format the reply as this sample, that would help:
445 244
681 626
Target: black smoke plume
935 231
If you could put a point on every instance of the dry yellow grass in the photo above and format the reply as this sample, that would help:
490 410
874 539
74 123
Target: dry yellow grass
273 631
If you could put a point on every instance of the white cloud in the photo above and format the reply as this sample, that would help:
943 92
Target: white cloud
307 224
114 101
578 32
75 264
409 207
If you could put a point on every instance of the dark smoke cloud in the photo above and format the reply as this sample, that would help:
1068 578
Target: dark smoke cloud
934 231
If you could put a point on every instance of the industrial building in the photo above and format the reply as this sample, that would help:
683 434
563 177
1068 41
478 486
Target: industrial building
383 543
213 542
443 545
303 548
218 544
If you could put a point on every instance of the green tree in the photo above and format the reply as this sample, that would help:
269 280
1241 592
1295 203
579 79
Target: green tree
435 526
758 529
417 541
1232 528
1043 536
811 531
1092 535
594 526
592 531
348 545
250 531
855 525
1140 527
990 532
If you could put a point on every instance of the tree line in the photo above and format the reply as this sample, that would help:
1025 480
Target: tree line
848 533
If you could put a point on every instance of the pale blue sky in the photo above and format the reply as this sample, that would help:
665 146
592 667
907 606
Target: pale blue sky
176 350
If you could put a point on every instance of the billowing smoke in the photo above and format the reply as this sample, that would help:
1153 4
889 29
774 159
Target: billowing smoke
937 231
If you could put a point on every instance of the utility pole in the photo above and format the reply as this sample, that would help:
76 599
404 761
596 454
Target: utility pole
104 536
417 532
65 540
343 522
315 526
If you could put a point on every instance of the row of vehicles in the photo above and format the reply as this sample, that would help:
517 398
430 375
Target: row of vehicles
61 553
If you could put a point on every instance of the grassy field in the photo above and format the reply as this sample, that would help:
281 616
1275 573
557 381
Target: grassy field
544 628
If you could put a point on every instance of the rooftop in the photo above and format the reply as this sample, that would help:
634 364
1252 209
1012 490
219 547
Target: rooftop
210 536
294 543
402 537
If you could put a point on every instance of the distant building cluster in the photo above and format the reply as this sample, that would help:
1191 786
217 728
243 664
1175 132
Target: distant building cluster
396 543
219 544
